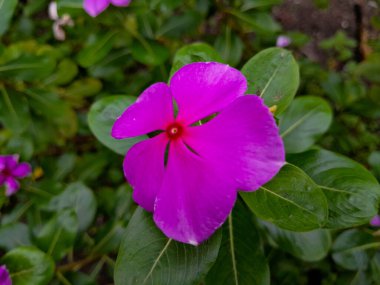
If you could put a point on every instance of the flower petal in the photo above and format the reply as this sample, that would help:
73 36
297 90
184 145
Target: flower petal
201 89
375 221
21 170
8 161
243 140
144 169
95 7
120 3
194 201
152 111
5 278
11 186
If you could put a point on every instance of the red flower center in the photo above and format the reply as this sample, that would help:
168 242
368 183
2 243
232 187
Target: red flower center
174 131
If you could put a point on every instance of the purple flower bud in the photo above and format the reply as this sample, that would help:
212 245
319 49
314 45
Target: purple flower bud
375 221
283 41
10 171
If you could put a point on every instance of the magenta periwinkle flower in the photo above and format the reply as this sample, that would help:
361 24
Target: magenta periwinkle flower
375 221
5 279
95 7
188 175
10 171
283 41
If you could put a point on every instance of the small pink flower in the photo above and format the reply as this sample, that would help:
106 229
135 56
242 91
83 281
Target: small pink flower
11 171
240 148
5 279
375 221
95 7
283 41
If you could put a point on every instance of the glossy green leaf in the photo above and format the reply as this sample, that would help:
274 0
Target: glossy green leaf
291 200
97 49
241 259
273 74
7 9
14 235
306 119
28 265
147 256
194 52
350 249
352 192
79 197
57 236
101 118
308 246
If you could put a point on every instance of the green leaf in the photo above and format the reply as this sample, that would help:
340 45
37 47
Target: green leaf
57 236
150 53
14 235
230 46
146 256
241 259
273 74
101 118
29 67
7 9
29 265
177 25
306 119
65 73
308 246
194 52
259 22
79 197
352 192
350 249
14 110
97 49
291 200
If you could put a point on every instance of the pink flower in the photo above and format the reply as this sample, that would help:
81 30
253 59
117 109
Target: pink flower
95 7
283 41
5 279
375 221
193 193
10 171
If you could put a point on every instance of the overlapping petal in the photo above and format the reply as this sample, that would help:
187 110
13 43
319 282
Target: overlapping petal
11 186
194 200
201 89
95 7
242 141
152 111
121 3
144 169
22 170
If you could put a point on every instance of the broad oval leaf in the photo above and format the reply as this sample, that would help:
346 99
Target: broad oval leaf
273 74
146 256
308 246
14 235
57 236
352 192
28 265
101 118
306 119
79 197
291 200
7 9
350 249
194 52
241 259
